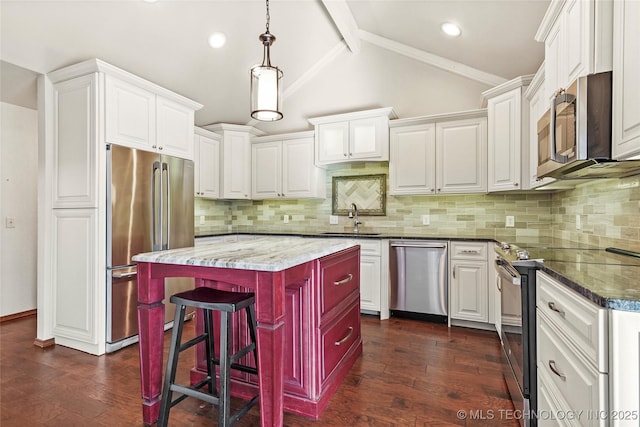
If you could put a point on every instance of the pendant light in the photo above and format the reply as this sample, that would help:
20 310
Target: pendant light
266 87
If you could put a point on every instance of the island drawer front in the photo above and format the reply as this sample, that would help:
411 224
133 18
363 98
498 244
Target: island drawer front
339 277
584 323
572 379
336 338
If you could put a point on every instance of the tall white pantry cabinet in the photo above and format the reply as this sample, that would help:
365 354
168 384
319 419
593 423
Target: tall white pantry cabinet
83 108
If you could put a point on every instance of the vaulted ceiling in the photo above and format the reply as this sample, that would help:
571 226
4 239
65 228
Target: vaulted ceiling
337 55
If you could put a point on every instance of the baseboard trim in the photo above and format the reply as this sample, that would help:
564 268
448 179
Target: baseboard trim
20 315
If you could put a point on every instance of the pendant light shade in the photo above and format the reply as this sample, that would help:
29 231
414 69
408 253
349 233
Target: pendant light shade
266 85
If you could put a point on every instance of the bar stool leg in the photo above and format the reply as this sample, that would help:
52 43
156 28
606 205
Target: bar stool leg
225 370
251 320
210 351
170 374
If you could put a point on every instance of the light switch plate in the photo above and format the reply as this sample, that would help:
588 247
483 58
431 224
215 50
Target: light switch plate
510 221
426 220
285 219
10 222
333 219
201 219
578 222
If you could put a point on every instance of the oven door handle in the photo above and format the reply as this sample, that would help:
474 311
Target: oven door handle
506 270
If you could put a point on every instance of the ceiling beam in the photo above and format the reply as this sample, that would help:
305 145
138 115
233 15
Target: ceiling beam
431 59
346 23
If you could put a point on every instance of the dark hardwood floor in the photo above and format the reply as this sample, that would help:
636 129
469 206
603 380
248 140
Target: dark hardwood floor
410 374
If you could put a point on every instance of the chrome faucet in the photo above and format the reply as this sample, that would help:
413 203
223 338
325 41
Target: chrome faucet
353 213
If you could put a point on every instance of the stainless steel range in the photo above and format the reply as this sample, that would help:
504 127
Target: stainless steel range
517 285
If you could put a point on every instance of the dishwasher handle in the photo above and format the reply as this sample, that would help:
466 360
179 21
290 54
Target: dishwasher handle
419 245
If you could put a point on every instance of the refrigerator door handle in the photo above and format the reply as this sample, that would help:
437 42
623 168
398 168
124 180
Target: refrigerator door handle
156 233
124 275
166 205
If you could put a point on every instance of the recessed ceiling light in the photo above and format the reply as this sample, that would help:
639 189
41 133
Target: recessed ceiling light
217 40
450 29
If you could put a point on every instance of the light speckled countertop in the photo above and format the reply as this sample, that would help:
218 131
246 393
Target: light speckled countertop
261 254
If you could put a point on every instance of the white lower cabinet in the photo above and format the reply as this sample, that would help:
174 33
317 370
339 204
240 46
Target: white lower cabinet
572 350
77 281
370 274
468 279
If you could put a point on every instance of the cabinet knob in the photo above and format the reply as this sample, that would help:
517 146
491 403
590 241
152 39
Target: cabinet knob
154 146
432 190
160 148
345 154
515 184
350 154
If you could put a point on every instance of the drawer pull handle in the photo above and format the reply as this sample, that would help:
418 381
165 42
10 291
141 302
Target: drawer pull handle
345 280
471 251
553 307
552 366
346 338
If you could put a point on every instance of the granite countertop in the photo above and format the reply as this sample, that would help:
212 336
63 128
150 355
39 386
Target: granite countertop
609 280
387 234
262 254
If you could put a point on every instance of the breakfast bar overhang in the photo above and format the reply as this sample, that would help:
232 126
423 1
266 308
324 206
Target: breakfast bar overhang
307 309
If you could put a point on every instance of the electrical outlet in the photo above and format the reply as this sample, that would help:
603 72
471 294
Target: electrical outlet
10 222
285 219
510 221
425 220
333 219
201 219
578 222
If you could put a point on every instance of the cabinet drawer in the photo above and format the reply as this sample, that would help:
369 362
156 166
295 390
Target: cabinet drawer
339 277
336 338
584 323
469 250
369 246
578 386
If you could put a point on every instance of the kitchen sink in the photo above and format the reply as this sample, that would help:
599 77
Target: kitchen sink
343 233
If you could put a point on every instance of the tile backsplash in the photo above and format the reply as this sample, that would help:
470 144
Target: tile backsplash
609 212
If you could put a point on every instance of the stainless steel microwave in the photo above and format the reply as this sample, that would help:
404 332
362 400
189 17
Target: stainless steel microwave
575 133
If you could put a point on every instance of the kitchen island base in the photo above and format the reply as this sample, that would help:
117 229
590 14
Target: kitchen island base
308 330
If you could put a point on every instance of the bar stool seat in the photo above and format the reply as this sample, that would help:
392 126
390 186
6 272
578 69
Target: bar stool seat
210 300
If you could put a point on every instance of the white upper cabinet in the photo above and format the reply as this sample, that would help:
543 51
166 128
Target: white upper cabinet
283 167
508 135
236 159
362 135
130 115
626 83
412 162
206 164
439 154
139 118
461 156
578 37
75 152
174 128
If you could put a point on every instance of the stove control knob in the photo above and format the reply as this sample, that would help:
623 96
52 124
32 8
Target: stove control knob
505 245
522 255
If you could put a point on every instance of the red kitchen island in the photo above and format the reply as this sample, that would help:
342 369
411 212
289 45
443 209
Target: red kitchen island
307 308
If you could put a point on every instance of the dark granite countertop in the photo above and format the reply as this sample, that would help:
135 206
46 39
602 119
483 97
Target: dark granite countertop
609 280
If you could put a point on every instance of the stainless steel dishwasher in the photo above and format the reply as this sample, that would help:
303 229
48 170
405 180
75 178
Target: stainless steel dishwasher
418 275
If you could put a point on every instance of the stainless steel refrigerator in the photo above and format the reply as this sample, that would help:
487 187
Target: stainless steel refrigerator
149 208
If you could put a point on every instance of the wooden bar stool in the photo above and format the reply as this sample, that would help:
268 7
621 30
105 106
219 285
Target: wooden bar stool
226 303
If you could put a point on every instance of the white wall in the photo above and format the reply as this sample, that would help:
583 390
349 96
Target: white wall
18 200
